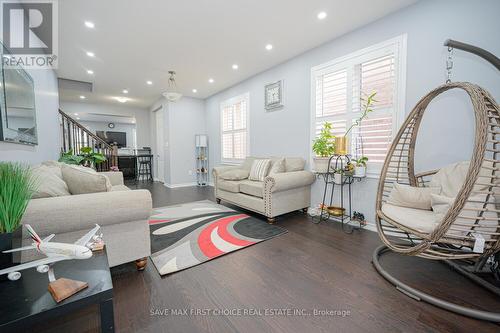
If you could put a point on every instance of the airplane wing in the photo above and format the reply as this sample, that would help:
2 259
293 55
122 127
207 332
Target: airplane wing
88 236
24 248
48 238
35 263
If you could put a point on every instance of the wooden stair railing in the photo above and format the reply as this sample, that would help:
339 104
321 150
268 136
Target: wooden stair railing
75 136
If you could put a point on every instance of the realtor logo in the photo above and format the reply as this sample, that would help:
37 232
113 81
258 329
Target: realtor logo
29 33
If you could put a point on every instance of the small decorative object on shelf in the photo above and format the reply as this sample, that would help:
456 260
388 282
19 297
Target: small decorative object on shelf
201 144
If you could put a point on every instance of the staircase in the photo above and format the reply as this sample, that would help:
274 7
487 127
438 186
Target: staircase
75 136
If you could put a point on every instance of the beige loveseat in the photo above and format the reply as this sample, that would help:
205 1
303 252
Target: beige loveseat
278 194
123 215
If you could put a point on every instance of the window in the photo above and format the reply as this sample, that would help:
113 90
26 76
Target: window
340 86
234 129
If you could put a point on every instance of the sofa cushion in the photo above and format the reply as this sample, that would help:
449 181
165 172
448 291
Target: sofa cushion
82 180
229 185
119 188
234 174
251 187
418 219
259 170
49 182
278 166
294 164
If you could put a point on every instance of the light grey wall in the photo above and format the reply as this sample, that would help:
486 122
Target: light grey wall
447 131
47 118
182 121
141 116
94 126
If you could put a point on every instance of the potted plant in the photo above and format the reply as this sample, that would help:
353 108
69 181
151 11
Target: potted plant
341 142
323 147
337 176
359 217
16 188
87 157
360 169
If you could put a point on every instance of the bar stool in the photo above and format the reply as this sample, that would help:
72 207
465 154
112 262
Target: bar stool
145 170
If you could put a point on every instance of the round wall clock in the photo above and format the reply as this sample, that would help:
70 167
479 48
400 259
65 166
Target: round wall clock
111 125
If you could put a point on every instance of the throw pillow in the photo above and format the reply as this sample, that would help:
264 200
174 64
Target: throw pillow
259 170
49 182
412 197
234 174
82 180
278 167
441 204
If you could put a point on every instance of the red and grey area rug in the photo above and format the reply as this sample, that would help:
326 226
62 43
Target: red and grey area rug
187 235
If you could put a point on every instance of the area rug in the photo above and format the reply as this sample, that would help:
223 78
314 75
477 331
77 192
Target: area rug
187 235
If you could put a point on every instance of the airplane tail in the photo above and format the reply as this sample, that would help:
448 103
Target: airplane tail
33 234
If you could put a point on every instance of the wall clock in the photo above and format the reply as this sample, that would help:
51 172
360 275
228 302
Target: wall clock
111 125
273 95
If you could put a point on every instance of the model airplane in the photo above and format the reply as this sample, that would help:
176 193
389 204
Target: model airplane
54 252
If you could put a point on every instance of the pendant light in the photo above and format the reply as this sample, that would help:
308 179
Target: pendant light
172 94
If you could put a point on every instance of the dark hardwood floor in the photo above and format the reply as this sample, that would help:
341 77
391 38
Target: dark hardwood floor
310 267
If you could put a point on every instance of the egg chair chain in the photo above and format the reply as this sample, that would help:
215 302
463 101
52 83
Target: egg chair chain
449 64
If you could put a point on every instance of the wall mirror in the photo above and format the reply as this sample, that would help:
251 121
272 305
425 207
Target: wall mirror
17 104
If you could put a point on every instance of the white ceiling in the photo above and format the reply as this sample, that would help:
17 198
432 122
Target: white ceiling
135 41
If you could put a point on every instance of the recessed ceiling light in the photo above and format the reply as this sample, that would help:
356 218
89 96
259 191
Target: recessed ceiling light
77 118
90 72
121 99
195 91
91 54
235 66
76 114
149 82
322 15
210 80
269 47
125 91
82 97
89 24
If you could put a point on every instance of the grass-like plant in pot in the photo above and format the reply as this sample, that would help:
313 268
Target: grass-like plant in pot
16 188
323 147
360 169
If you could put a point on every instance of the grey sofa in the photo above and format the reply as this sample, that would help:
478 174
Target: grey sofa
278 194
123 215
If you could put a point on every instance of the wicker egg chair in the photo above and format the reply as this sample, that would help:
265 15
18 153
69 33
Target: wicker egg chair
453 239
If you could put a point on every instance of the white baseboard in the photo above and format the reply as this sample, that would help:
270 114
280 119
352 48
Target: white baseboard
180 185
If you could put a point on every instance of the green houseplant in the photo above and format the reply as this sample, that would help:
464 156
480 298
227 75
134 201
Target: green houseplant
323 147
341 142
360 169
16 188
87 157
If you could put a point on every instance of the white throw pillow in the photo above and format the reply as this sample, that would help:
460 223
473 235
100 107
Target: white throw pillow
82 180
49 182
259 170
234 174
441 204
278 167
412 197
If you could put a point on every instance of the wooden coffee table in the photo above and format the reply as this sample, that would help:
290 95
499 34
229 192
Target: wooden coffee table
27 301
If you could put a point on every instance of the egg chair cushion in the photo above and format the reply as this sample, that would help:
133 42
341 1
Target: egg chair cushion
417 219
450 178
412 197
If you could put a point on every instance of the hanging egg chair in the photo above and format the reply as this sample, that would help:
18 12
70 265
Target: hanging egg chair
466 234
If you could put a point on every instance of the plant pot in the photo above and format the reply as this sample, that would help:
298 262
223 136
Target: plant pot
321 164
360 171
337 178
5 258
341 145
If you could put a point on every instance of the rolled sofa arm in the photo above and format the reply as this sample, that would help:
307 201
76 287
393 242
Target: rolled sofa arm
78 212
288 180
216 171
115 177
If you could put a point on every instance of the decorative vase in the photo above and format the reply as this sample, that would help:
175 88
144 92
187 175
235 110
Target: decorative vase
321 164
341 145
5 258
360 171
337 178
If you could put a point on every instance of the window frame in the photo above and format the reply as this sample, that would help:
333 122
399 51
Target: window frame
229 102
396 45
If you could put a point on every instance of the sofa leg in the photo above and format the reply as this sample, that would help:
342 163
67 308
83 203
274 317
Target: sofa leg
271 220
304 210
218 200
140 264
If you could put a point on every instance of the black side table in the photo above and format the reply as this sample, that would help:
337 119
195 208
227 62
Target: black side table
26 302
